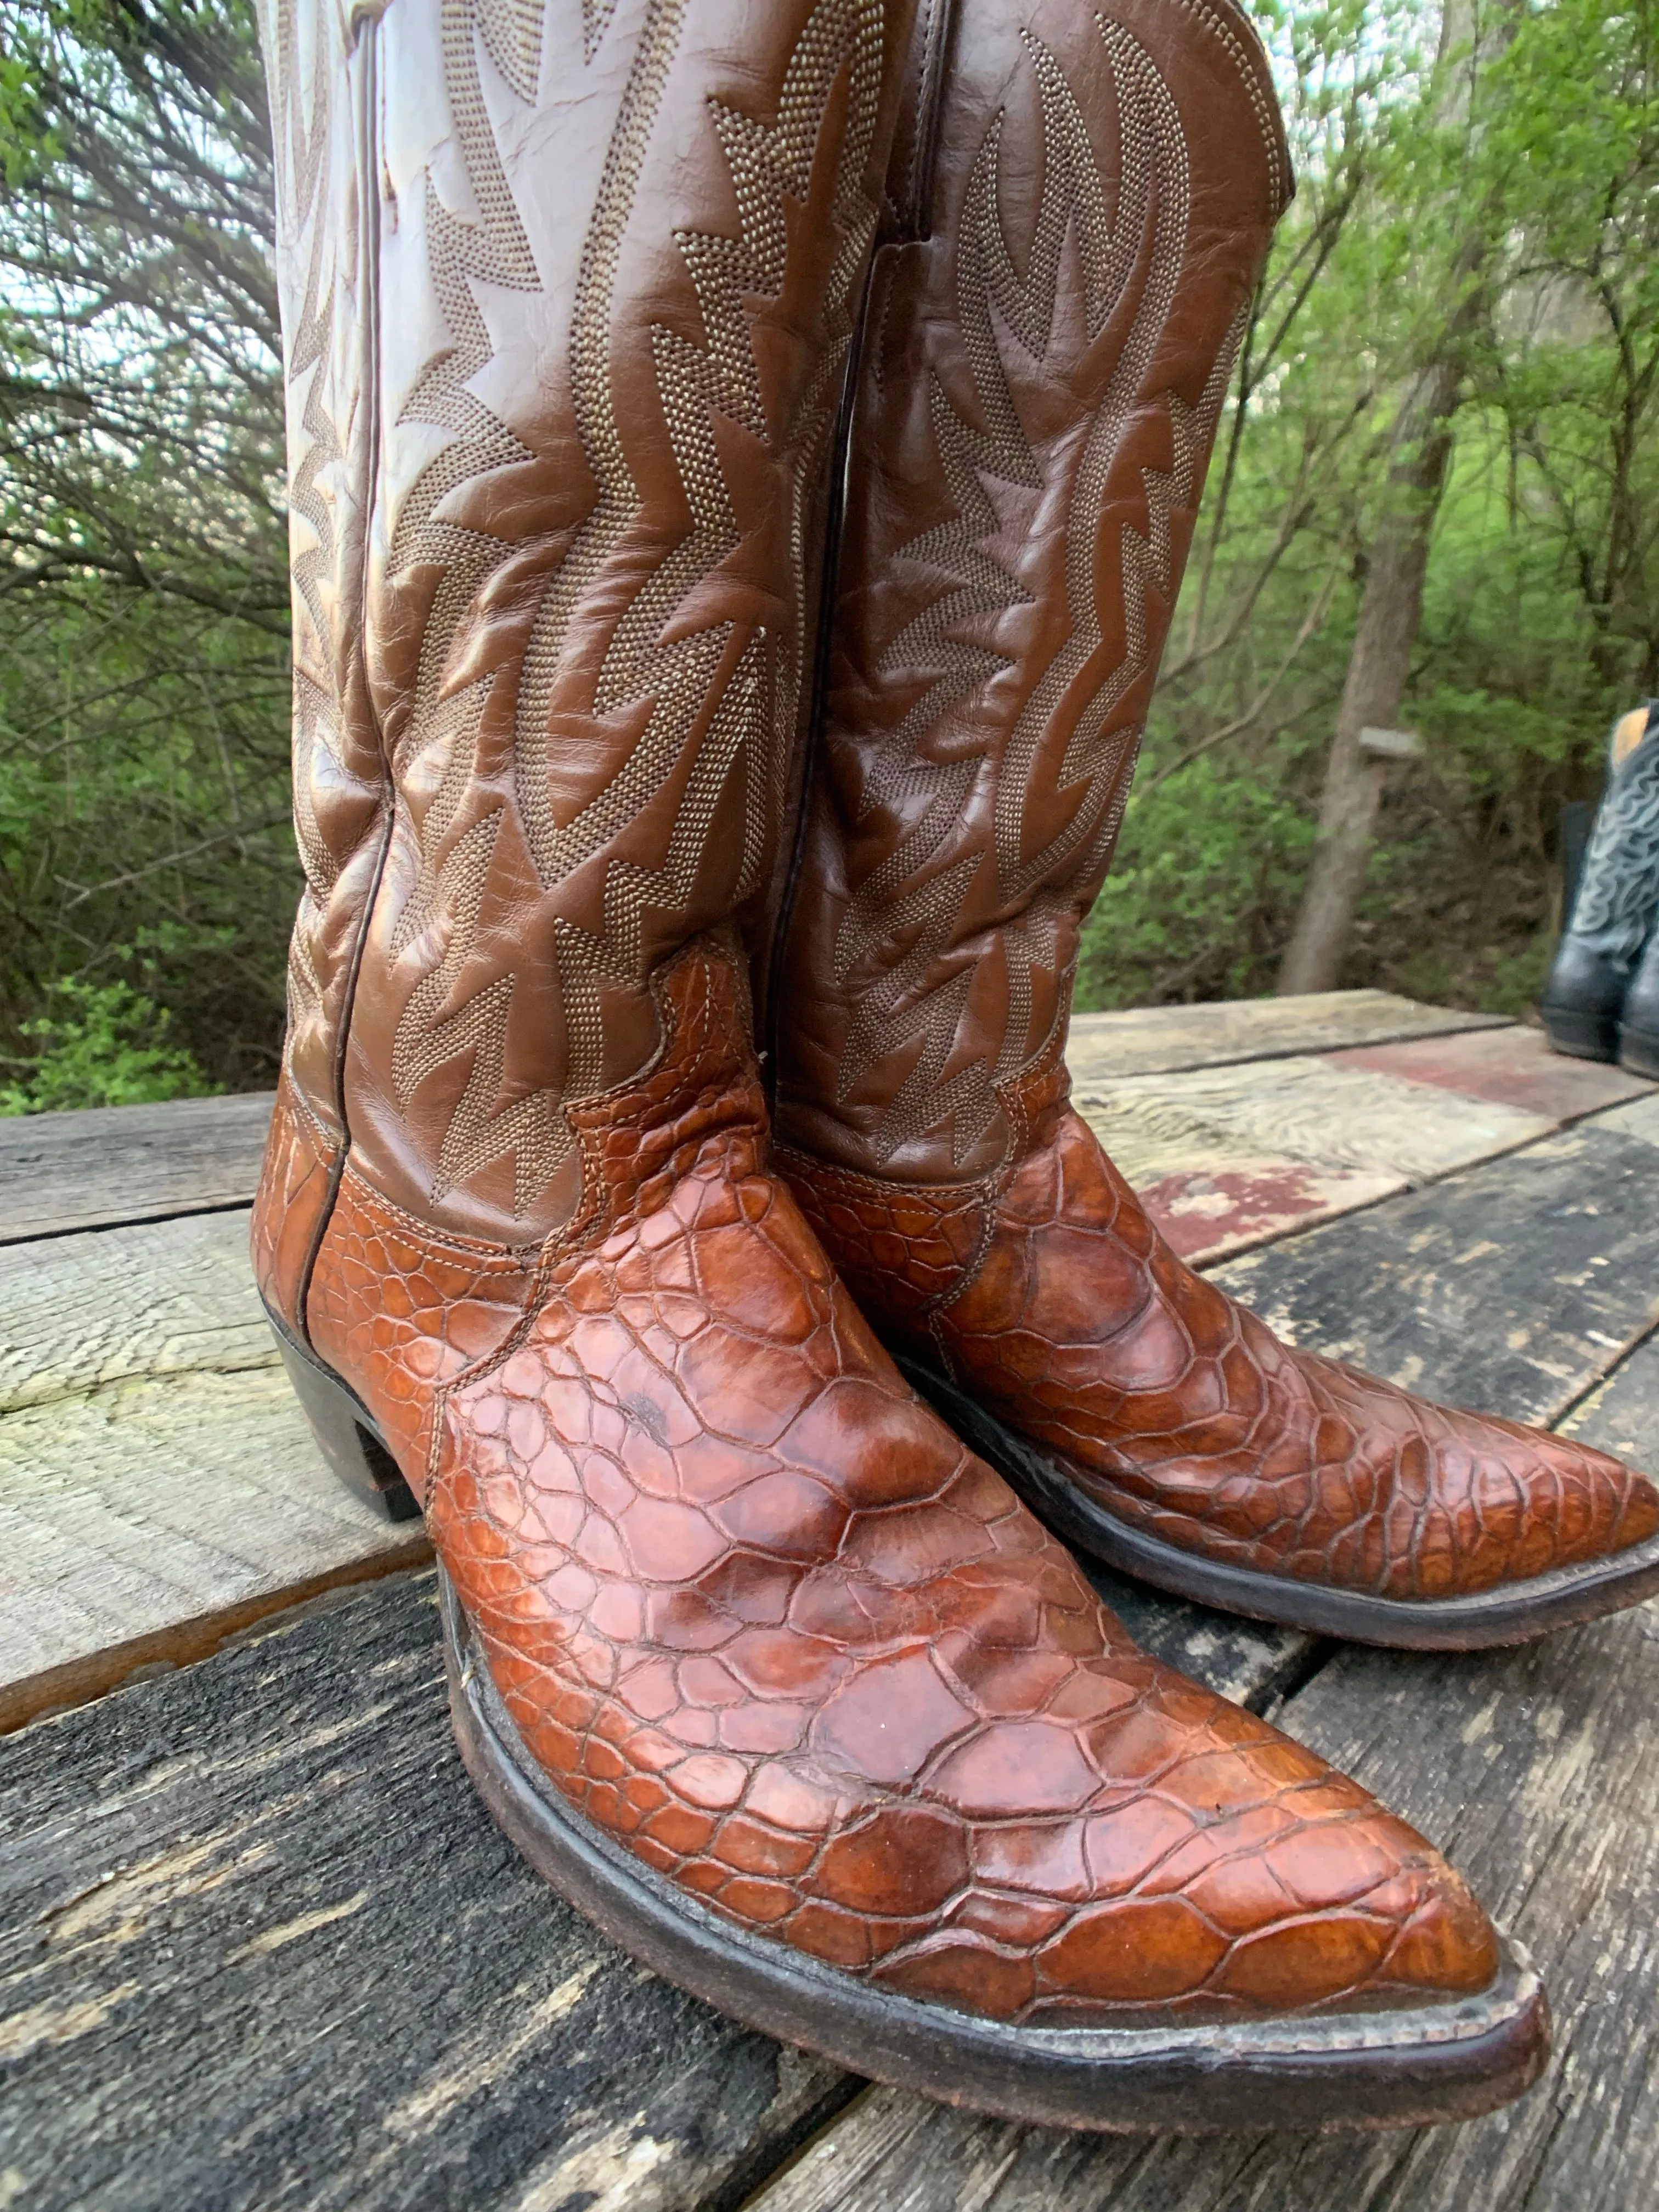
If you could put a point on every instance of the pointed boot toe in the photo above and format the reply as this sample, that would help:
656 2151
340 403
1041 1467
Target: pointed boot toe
966 791
761 1666
785 1690
1161 1426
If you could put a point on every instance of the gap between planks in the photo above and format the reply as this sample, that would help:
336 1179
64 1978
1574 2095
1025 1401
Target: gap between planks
81 1681
343 1554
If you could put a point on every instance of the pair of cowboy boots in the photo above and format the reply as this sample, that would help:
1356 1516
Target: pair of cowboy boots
742 461
1601 1001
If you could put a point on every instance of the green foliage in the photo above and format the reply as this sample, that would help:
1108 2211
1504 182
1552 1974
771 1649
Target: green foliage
1205 866
1541 609
101 1044
143 595
143 688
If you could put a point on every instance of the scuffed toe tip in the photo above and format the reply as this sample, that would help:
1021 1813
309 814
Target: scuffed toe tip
1640 1517
1446 1947
1417 1935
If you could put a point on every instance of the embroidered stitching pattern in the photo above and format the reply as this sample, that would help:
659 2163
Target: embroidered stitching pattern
1619 890
720 702
1149 231
302 124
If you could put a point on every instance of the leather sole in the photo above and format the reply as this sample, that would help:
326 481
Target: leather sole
1639 1050
1393 2069
1405 2067
1513 1612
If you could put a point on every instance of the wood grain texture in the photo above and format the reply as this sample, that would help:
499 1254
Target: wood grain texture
108 1164
1149 1040
157 1474
1621 1415
1301 1107
1512 1288
84 1312
1234 1204
1515 1066
1639 1119
1227 1157
261 1947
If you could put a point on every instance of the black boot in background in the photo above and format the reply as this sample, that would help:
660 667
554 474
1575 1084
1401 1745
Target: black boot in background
1638 1031
1613 913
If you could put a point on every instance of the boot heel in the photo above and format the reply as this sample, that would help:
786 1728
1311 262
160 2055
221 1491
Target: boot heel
343 1436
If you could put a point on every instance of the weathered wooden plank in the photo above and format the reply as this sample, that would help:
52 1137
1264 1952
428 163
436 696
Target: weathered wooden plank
1639 1119
1234 1204
260 1947
1514 1066
1622 1415
84 1312
1532 1770
144 1523
1227 1157
108 1163
1301 1107
158 1483
1150 1040
80 1170
1512 1287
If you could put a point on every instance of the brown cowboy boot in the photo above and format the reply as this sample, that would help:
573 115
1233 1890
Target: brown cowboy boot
750 1656
1039 391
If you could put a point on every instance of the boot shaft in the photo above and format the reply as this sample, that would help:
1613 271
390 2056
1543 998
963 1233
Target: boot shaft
1041 377
568 294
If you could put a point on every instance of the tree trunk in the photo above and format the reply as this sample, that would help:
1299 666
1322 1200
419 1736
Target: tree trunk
1391 602
1390 611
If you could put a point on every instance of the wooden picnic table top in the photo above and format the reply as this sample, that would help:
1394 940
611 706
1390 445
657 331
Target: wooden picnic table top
261 1947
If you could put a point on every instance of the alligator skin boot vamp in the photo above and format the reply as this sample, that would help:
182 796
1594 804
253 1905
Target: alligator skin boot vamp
758 1664
1041 381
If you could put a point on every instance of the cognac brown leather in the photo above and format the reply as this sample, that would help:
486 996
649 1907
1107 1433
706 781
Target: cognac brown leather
1051 1298
565 297
1041 380
762 1618
1040 386
568 292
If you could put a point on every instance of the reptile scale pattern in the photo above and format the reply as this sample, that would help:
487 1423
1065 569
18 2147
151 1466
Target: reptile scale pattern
762 1618
1179 1411
1036 419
